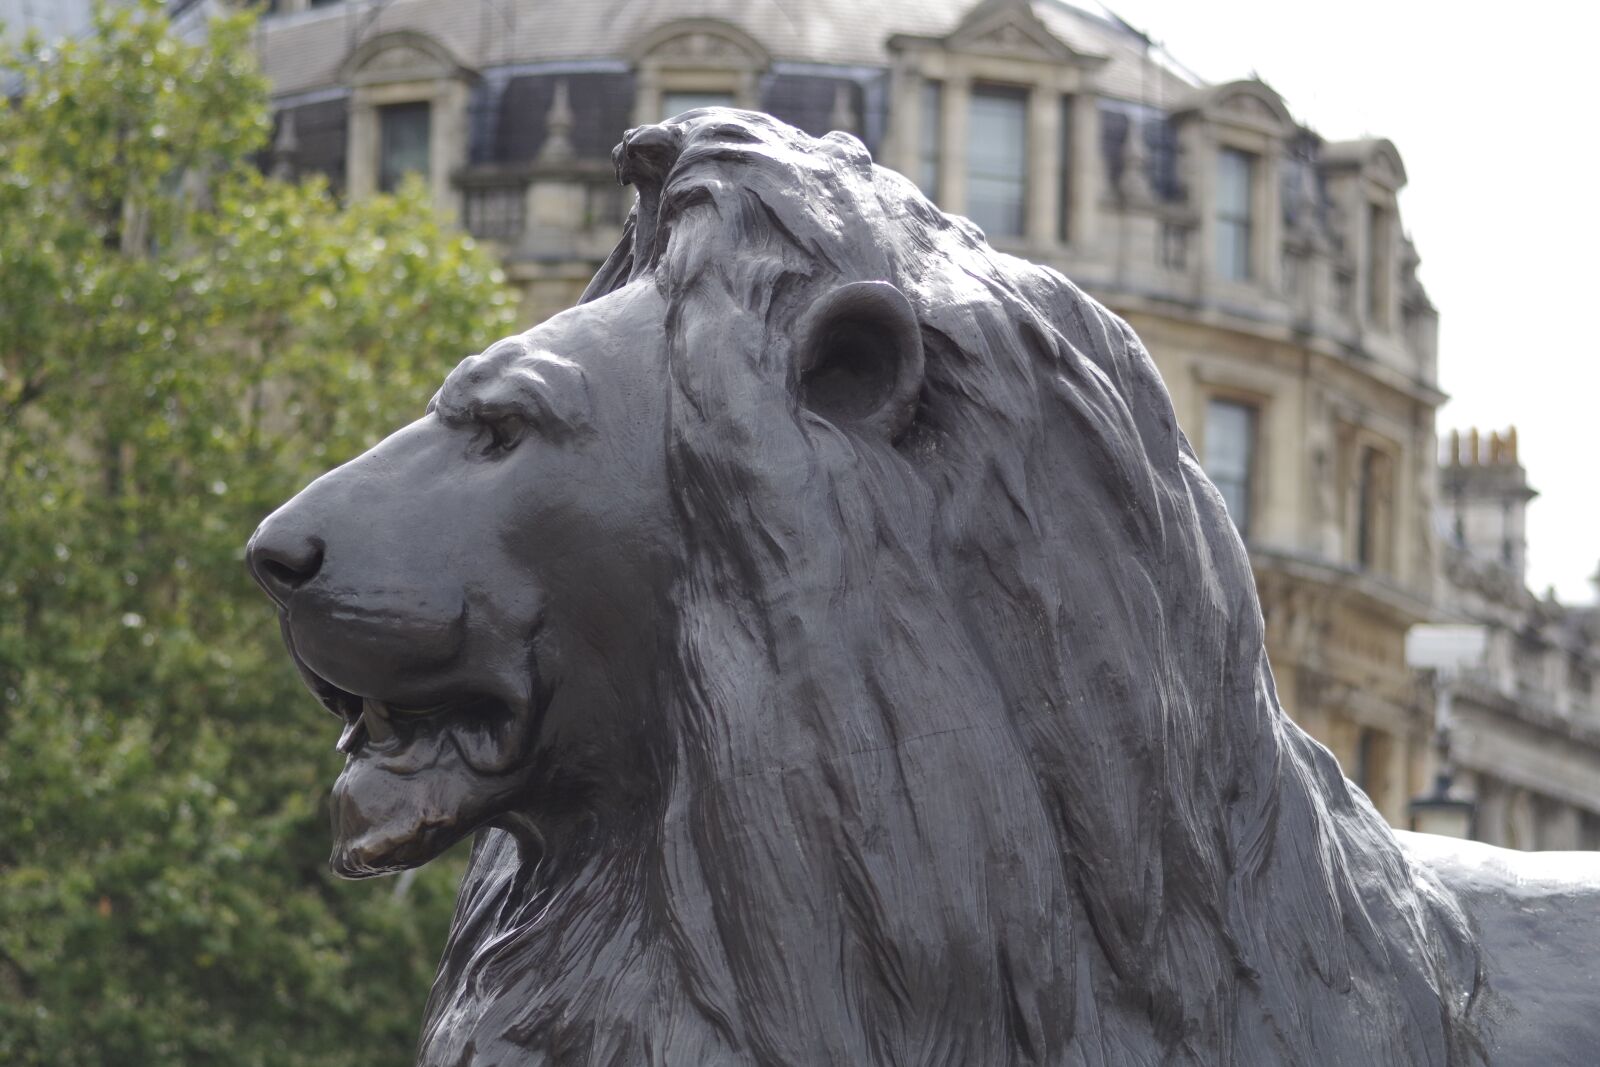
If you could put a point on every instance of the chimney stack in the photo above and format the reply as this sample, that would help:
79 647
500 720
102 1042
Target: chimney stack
1486 490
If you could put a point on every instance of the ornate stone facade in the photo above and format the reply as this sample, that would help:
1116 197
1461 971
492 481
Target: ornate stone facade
1523 727
1265 267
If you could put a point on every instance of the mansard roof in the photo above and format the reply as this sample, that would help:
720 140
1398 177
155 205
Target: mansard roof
305 52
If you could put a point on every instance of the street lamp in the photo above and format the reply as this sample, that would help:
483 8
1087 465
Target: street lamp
1440 813
1444 650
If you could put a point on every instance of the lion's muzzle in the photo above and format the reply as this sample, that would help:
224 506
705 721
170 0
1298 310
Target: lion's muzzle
283 558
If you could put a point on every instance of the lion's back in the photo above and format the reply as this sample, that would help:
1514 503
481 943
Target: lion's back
1537 919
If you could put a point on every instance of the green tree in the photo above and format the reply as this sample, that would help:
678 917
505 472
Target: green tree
183 344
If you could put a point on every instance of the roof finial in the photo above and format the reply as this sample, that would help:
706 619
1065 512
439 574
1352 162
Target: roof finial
1134 183
558 123
285 148
842 117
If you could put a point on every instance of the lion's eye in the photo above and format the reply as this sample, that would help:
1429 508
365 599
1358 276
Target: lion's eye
504 432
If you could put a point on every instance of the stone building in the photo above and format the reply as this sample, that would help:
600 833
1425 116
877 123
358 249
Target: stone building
1265 267
1523 724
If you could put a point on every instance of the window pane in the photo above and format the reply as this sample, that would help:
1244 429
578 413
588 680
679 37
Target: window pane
1372 510
1230 455
1233 184
931 136
1234 175
997 150
1233 250
403 143
675 104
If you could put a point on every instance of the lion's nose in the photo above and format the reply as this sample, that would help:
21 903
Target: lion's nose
281 558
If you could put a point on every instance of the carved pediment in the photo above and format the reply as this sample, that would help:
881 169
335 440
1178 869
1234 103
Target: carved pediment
1248 103
1376 159
400 56
1013 31
1011 40
1385 166
701 43
1249 106
698 47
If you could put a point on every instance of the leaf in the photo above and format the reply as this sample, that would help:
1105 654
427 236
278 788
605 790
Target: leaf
183 344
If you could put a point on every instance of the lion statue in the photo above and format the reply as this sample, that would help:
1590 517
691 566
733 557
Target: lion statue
842 659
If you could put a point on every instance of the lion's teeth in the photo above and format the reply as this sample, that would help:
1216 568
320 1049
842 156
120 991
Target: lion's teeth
352 735
376 718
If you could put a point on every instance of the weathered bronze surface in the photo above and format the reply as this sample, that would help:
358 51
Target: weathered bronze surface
843 659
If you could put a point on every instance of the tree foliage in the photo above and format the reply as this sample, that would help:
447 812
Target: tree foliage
183 344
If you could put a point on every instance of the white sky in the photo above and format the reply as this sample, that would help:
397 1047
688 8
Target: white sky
1494 109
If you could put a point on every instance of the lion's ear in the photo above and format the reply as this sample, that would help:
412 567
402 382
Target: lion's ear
859 362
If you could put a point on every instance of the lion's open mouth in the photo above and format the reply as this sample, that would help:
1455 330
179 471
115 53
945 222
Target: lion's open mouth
368 720
474 723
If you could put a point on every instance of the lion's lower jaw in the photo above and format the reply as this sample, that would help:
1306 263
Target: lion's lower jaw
385 820
357 862
373 854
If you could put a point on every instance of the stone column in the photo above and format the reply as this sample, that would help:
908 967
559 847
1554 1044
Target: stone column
447 145
1044 170
1390 293
361 161
1491 816
1268 222
647 99
747 94
953 152
902 148
1360 239
1088 172
1200 148
1522 827
1560 829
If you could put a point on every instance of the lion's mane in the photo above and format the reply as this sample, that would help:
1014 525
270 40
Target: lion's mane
969 749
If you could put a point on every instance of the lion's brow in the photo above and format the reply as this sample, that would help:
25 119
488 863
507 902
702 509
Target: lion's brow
547 389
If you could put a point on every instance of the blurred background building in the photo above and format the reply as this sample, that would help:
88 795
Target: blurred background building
1523 719
1266 268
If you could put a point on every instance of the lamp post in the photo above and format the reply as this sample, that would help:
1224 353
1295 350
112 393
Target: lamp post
1444 651
1438 812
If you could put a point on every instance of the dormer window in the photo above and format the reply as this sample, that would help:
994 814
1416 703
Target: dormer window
408 115
997 160
691 63
675 103
1235 193
403 135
